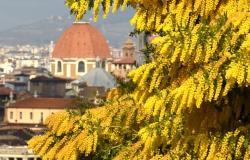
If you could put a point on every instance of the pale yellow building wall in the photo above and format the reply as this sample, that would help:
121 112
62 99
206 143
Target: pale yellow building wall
53 71
119 71
26 119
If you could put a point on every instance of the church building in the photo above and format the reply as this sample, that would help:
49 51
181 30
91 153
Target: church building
76 51
126 62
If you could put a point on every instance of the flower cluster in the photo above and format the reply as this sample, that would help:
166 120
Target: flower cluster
188 101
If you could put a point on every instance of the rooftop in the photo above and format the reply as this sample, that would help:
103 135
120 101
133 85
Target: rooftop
98 77
5 90
14 136
18 150
16 83
81 40
49 79
42 103
22 74
126 60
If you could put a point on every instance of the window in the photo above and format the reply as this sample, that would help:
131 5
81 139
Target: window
11 115
59 66
21 115
81 67
41 117
31 115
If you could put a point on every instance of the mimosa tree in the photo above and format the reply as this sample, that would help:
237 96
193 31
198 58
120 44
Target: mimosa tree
190 102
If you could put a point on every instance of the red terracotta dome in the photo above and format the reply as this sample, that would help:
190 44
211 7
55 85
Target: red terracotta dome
81 40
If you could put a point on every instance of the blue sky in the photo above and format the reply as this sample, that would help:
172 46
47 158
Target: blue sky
16 12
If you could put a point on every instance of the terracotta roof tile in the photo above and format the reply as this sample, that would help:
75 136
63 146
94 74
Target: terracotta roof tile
81 40
22 74
55 103
5 91
49 79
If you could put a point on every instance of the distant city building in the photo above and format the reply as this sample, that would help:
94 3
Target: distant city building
32 71
14 136
32 62
18 56
34 110
20 83
44 86
126 62
22 77
7 77
98 77
91 93
94 84
17 153
116 53
13 143
76 51
17 86
6 94
6 66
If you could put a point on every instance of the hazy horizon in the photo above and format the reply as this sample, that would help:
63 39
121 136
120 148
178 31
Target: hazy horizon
18 12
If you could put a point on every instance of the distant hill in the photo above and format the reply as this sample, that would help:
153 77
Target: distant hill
116 29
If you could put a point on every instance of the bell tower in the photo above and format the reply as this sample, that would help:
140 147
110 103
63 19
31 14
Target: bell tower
128 49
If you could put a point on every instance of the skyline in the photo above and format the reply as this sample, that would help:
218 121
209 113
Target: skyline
16 12
20 18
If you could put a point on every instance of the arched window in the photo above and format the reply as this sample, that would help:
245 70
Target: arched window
81 67
59 66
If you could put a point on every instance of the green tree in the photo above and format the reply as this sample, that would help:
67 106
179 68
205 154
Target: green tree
190 101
